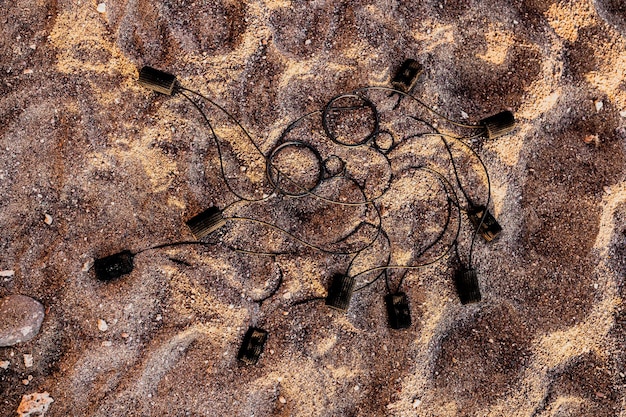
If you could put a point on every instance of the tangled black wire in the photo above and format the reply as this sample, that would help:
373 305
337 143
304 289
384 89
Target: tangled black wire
317 167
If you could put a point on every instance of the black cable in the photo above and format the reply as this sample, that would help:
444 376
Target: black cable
415 267
367 102
444 229
421 103
219 152
471 204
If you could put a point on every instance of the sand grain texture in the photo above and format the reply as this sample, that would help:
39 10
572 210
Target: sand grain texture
119 167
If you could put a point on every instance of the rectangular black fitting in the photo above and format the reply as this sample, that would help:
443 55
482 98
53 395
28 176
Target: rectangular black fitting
157 80
252 346
398 310
340 292
489 228
206 222
407 75
499 124
466 282
114 266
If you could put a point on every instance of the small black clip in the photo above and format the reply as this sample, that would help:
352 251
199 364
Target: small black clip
466 282
398 310
340 292
499 124
157 80
252 346
206 222
407 75
114 266
489 228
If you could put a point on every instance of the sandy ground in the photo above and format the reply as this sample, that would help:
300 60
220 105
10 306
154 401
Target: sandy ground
119 167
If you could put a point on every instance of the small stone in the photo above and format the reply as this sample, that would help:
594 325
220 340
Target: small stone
34 405
595 286
27 71
32 46
607 189
599 105
28 360
107 343
47 219
7 273
282 400
102 325
5 364
592 140
125 335
464 115
307 42
87 265
417 403
21 319
102 8
622 113
25 381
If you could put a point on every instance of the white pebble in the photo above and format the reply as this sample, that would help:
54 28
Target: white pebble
47 219
595 286
34 405
5 364
417 403
102 325
102 8
28 360
87 265
27 71
599 105
307 42
107 343
464 115
622 113
282 400
7 273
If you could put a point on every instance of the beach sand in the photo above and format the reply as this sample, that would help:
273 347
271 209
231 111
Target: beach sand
119 167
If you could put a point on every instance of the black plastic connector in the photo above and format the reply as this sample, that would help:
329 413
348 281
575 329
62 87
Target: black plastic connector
466 282
252 346
157 80
499 124
114 266
407 75
489 228
398 310
206 222
340 292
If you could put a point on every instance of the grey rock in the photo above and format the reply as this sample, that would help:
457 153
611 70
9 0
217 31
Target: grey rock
20 319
